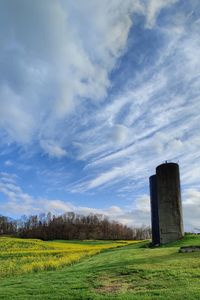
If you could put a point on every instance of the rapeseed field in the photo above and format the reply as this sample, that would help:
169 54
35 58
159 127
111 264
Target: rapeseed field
18 256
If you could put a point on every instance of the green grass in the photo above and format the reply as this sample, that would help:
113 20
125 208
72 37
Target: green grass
133 272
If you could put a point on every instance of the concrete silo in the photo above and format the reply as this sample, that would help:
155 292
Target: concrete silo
169 199
166 204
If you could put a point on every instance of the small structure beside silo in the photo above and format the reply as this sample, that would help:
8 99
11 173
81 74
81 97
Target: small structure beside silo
154 211
166 208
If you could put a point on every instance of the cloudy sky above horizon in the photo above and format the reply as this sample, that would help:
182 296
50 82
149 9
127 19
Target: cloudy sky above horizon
93 96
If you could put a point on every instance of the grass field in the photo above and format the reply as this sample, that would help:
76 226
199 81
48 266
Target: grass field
130 272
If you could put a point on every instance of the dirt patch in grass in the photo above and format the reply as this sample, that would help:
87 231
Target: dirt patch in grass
114 284
109 289
111 285
129 280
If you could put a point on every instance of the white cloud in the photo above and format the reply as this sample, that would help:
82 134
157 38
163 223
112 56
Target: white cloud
153 9
57 54
191 209
121 134
54 206
8 163
112 176
52 149
160 117
50 61
143 203
17 123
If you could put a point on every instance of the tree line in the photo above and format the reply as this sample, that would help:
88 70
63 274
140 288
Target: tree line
69 226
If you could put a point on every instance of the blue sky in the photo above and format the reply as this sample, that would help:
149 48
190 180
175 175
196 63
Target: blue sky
93 96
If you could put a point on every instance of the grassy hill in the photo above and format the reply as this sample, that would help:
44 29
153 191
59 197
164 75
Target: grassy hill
130 272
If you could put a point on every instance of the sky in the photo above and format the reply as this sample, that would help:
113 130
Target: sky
93 96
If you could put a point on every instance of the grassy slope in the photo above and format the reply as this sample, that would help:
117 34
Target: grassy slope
131 272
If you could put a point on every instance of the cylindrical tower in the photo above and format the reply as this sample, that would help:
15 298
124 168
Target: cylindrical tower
169 199
154 210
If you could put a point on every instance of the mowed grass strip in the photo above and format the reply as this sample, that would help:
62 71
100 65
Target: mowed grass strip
19 256
133 272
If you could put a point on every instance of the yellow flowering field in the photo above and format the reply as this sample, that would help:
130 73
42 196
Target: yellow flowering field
32 255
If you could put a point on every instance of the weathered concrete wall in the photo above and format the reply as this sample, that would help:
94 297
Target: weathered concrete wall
154 210
169 199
